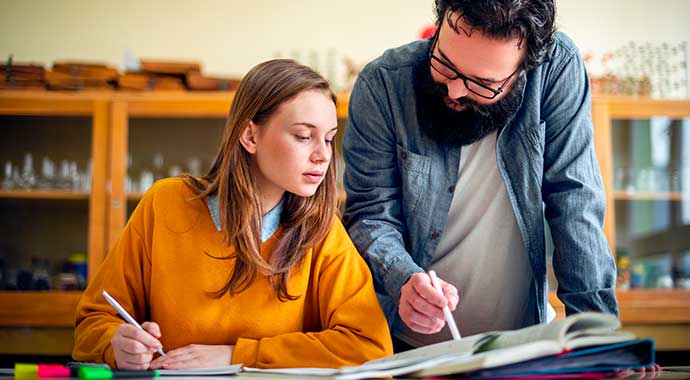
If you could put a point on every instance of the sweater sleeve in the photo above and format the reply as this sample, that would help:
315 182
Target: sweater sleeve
125 274
354 328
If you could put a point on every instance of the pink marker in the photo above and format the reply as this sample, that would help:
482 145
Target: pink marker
53 370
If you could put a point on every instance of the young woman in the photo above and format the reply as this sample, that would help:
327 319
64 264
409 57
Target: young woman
248 264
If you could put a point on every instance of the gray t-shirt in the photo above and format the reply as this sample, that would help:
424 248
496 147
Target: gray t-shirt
481 251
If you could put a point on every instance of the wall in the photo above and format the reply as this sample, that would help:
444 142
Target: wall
230 36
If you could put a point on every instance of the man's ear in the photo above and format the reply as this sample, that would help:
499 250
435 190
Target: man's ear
248 137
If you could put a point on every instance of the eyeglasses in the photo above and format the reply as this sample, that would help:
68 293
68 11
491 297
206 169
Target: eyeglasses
472 85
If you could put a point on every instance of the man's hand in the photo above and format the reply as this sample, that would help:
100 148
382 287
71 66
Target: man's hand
421 307
133 347
195 356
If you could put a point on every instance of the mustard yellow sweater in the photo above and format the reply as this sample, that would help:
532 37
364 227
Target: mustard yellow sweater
160 270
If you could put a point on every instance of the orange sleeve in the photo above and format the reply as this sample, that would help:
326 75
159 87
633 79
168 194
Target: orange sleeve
354 328
125 274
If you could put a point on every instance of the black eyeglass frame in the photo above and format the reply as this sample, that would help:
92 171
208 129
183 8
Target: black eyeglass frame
459 75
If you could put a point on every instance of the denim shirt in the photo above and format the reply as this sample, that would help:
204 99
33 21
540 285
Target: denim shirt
400 181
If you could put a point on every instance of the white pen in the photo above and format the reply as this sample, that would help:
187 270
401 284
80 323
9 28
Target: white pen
124 314
446 310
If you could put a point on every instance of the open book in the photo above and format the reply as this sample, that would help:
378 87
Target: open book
585 342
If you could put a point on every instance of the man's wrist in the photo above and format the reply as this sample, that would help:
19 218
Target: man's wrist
397 275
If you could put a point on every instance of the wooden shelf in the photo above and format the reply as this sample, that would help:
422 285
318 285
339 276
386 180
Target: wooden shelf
658 306
645 306
44 194
38 309
625 107
650 196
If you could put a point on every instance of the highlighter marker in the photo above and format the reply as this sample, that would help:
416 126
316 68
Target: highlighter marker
90 373
25 371
56 370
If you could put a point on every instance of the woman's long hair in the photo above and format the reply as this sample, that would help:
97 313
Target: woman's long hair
305 220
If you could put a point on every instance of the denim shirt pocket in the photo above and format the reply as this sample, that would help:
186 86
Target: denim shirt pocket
534 137
415 175
532 140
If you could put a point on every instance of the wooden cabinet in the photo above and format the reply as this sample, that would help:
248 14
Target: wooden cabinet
643 147
47 215
120 133
154 135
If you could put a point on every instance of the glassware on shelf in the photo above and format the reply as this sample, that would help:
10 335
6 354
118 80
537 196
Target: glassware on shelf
25 280
174 171
64 179
86 177
129 184
47 178
637 276
76 264
194 166
28 176
158 170
74 176
66 281
40 274
146 180
628 180
646 181
664 281
9 180
674 181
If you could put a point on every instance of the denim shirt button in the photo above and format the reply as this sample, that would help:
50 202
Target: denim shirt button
403 155
451 189
435 235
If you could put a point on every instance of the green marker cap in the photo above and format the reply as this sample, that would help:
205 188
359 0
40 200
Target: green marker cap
88 373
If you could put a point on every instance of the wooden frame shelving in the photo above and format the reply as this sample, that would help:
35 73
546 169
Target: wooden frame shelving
658 311
56 308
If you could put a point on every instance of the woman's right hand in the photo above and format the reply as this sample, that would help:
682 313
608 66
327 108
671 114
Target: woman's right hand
133 347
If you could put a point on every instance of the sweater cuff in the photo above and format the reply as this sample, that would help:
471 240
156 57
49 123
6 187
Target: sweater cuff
109 353
246 352
109 356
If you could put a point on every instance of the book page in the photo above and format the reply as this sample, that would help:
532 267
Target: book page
465 345
493 358
227 370
560 331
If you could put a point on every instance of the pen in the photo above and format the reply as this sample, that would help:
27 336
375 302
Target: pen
121 310
446 311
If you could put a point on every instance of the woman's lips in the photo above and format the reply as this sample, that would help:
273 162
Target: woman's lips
313 177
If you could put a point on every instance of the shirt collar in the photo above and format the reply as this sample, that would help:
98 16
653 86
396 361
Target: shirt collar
270 221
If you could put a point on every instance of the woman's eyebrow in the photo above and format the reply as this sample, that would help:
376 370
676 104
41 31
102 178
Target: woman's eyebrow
310 125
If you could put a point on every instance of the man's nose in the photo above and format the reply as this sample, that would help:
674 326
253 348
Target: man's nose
456 88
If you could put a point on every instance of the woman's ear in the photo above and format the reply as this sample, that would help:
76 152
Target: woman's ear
248 137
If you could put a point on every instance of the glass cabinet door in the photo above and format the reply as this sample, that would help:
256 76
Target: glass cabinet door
53 152
44 202
651 192
165 147
159 135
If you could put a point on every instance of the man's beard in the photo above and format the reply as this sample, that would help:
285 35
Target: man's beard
471 124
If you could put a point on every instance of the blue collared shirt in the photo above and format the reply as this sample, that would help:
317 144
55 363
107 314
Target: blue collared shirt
400 181
270 221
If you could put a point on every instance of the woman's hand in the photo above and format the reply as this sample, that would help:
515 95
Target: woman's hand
195 356
133 347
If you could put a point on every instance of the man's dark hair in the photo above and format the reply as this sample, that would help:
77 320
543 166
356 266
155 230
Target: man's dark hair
531 21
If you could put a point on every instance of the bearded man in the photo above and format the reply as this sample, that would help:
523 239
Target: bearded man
459 150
